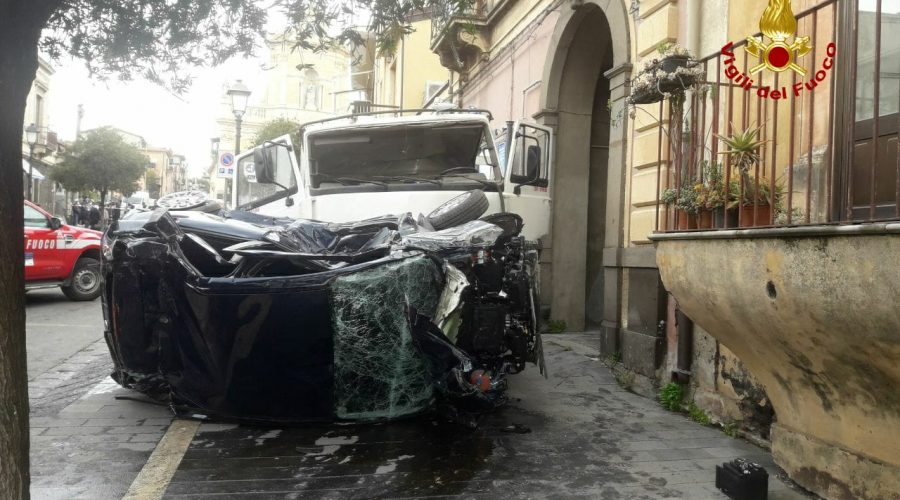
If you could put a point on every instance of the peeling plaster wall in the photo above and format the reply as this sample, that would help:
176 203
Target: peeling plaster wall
723 387
816 320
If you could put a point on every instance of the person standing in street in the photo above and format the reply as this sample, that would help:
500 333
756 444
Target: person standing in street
76 213
94 216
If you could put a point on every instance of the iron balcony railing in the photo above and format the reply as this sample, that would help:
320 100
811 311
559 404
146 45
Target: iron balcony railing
828 152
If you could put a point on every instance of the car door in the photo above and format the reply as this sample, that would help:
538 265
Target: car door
528 174
41 254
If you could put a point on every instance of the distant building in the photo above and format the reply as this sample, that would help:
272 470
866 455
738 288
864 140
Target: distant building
46 148
300 86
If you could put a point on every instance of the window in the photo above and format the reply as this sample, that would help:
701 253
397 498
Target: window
33 218
530 157
252 194
876 115
431 90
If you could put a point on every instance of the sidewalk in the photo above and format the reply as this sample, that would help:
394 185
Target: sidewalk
588 439
84 442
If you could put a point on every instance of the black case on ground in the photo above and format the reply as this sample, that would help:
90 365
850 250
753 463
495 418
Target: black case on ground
742 480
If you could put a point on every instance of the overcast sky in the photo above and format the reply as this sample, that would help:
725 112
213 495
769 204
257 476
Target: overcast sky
182 123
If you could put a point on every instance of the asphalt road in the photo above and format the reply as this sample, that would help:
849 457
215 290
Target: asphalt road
57 328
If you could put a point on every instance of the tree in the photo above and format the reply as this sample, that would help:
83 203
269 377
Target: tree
101 161
155 39
277 128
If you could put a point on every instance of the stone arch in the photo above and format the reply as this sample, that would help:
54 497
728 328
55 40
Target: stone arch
586 69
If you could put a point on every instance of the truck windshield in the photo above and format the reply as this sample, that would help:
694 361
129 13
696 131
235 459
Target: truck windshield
425 150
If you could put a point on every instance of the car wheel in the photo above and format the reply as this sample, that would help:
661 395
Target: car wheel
85 281
183 200
464 208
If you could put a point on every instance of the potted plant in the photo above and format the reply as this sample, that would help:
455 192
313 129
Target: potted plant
671 73
714 201
684 203
677 69
743 153
706 198
686 209
758 203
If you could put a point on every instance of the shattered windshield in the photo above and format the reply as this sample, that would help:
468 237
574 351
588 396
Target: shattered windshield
425 151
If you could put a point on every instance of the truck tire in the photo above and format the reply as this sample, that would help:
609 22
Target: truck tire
85 280
459 210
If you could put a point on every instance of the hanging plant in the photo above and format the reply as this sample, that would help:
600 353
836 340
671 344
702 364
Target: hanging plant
673 72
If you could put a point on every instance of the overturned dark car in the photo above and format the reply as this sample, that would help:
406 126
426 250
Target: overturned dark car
244 317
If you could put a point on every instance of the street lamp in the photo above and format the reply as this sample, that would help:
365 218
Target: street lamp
31 136
239 94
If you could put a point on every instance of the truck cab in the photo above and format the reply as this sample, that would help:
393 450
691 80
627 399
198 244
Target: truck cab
358 166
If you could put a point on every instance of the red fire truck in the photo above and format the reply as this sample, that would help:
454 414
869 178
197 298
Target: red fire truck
61 255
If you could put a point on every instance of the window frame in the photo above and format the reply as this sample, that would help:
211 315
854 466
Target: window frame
847 130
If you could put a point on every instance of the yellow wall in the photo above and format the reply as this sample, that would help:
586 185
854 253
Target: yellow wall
400 80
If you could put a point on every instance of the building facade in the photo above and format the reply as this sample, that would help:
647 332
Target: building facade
789 330
300 86
47 150
412 77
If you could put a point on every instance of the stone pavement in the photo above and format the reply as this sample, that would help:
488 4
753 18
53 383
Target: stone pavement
588 439
85 443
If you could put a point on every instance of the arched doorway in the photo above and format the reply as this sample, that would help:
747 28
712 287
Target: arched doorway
585 73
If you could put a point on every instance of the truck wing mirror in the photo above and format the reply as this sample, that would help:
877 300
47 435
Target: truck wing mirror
532 168
264 165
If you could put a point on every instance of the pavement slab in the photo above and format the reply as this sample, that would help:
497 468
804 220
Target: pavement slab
587 438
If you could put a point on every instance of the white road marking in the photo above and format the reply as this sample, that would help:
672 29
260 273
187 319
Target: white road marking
154 478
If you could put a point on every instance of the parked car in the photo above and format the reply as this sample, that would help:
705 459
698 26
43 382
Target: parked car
59 255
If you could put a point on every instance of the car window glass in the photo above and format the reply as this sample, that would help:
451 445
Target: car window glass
33 218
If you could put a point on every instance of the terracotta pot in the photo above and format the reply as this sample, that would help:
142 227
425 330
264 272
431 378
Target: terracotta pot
685 221
705 219
763 215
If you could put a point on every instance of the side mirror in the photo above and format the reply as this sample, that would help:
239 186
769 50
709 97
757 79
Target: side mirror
264 165
532 168
55 223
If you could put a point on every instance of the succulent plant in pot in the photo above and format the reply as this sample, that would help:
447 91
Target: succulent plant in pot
743 154
684 203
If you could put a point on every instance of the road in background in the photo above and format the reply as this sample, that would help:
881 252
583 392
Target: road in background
57 328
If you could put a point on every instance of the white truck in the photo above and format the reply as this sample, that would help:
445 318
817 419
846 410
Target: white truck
435 163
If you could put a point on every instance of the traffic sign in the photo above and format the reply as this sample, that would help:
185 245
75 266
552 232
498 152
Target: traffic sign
225 168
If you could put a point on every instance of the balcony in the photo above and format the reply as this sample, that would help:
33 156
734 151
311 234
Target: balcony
786 248
460 37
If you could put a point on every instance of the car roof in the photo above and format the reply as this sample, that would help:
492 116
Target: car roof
38 208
